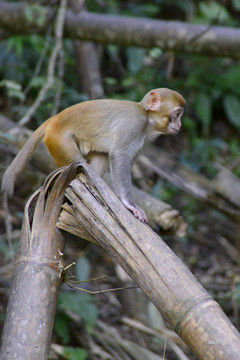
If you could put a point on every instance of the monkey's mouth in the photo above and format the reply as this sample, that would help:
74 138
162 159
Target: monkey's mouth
174 131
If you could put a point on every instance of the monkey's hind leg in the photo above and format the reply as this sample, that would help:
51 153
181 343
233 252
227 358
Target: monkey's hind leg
64 150
99 162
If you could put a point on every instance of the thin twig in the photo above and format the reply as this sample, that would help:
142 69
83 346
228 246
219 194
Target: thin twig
171 338
170 65
152 332
40 61
52 62
165 347
57 97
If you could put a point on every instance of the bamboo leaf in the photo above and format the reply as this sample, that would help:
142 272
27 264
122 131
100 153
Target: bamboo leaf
232 108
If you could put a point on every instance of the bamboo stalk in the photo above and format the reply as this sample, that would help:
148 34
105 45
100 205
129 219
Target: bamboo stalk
36 276
190 310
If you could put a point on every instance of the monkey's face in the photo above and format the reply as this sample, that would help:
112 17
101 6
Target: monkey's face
165 109
174 123
165 123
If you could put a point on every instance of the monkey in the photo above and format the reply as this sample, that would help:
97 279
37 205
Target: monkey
107 133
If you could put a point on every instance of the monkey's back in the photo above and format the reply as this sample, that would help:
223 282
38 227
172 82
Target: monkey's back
99 124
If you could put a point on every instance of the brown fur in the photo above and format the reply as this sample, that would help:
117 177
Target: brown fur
103 131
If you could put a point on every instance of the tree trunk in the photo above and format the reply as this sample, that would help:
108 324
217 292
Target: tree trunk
88 68
87 61
210 191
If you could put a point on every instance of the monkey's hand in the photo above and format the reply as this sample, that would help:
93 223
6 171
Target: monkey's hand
137 211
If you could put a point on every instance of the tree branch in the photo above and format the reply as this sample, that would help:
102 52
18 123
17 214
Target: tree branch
172 36
52 62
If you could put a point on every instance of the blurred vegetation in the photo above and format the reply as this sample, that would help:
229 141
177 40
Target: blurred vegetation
211 126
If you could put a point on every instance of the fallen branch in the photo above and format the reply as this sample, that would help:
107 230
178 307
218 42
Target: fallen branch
174 36
162 217
195 184
227 185
172 338
119 348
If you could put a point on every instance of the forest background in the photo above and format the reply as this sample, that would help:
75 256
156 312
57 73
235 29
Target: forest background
208 146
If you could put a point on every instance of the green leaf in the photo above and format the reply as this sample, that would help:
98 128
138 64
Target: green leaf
147 9
38 81
236 4
230 80
232 108
110 81
15 43
135 57
61 327
154 316
81 304
82 268
112 51
35 12
14 89
155 53
28 13
203 107
4 249
214 11
128 82
75 353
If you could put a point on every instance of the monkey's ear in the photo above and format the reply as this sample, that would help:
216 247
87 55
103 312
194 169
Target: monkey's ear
154 101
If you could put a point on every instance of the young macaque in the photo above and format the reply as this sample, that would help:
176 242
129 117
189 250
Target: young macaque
104 132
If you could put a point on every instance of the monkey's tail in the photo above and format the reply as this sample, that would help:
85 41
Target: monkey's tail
19 162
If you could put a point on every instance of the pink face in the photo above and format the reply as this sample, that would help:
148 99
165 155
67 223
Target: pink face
174 123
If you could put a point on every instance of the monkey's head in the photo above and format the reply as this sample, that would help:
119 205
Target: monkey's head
165 108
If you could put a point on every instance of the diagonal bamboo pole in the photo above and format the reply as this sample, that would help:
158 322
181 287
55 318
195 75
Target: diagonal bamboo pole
191 311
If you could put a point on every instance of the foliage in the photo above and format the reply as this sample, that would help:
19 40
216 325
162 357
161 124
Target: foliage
212 11
164 191
13 89
35 11
75 353
211 125
141 69
203 154
232 108
80 303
